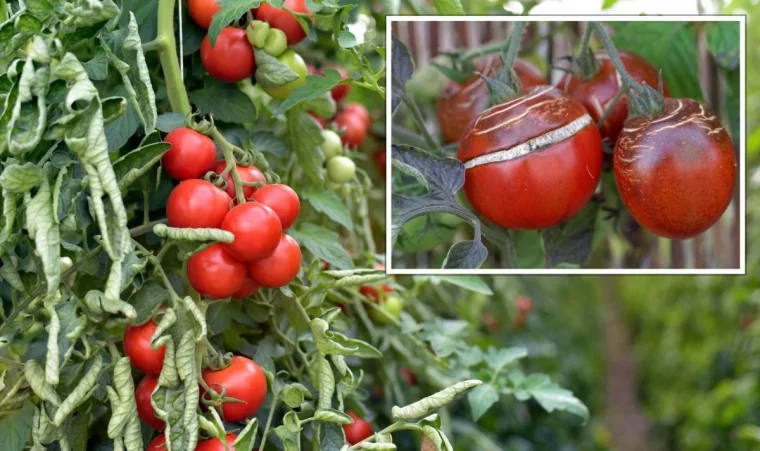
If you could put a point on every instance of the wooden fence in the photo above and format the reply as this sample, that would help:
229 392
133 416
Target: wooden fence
719 247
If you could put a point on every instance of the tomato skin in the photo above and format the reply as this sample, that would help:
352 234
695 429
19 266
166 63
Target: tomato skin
243 380
358 110
357 431
597 93
137 347
540 188
215 444
675 172
283 20
157 444
341 91
231 59
353 128
248 289
191 155
294 61
257 231
144 407
213 272
196 203
282 199
280 268
247 174
341 169
202 11
461 103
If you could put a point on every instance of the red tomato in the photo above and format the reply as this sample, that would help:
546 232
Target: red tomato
213 272
257 231
461 103
533 162
247 174
524 304
341 91
197 203
144 407
202 11
157 444
231 59
358 430
283 20
242 380
595 94
380 162
353 128
373 293
280 268
191 155
248 289
215 444
137 347
675 172
408 376
358 110
282 199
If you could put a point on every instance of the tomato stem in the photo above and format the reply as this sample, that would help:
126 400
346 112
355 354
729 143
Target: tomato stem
165 44
229 157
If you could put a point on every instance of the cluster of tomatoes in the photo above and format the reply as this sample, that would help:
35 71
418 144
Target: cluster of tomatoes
535 161
261 255
383 295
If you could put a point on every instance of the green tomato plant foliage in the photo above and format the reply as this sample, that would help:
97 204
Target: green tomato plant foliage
88 90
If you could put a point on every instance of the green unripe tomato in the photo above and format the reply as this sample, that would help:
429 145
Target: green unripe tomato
341 169
257 32
294 61
392 304
331 144
419 235
276 43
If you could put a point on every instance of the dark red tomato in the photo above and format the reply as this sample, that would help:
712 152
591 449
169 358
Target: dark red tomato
408 376
215 444
524 304
595 94
460 103
144 407
257 231
533 162
675 172
282 199
213 272
283 20
358 110
352 127
247 174
248 289
197 203
137 347
380 162
202 11
191 155
280 268
231 59
242 380
341 91
358 430
373 293
157 444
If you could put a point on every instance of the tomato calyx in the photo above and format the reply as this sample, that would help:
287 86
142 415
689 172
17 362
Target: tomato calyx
585 65
215 395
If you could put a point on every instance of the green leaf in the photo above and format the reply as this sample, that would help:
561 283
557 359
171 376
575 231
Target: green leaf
315 87
403 69
17 426
608 4
224 101
330 204
551 396
324 244
723 42
169 121
305 137
426 406
231 11
269 143
449 7
133 165
271 72
471 283
466 255
97 67
481 399
570 242
18 179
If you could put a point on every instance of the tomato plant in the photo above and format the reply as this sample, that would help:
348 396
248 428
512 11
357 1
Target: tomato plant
191 155
241 387
231 58
353 128
341 169
296 64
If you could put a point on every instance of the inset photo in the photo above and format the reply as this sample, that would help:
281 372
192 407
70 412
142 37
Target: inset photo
595 145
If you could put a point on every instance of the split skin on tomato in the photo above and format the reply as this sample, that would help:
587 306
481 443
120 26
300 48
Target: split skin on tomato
247 174
202 11
676 171
231 59
137 347
597 93
191 155
144 407
197 203
282 199
294 61
357 431
283 20
257 231
460 103
215 444
242 380
535 172
279 268
213 272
